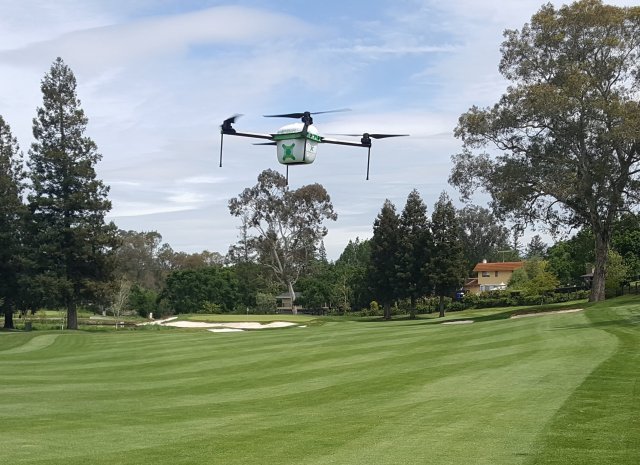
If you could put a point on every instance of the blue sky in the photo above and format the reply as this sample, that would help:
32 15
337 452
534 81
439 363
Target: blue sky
157 77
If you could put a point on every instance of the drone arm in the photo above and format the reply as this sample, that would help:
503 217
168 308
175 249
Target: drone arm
232 132
342 142
253 135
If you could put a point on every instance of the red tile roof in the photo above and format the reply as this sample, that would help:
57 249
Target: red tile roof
502 266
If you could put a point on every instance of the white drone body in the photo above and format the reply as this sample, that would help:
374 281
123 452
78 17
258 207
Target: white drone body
295 146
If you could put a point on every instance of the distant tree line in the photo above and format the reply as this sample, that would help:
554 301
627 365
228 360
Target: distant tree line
566 129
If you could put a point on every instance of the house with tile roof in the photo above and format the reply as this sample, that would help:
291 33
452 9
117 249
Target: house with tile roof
491 276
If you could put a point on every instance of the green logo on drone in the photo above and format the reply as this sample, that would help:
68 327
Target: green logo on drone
288 152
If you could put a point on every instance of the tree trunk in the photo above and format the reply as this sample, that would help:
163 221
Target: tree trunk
294 311
72 315
412 310
387 311
441 307
600 270
8 317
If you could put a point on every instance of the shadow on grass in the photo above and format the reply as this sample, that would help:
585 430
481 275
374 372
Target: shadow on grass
489 314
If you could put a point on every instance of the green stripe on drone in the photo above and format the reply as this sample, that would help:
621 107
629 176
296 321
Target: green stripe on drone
297 135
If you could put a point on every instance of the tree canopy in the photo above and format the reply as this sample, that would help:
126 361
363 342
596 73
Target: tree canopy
483 236
567 130
288 224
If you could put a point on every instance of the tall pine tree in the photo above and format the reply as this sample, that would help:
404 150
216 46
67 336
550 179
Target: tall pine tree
382 272
414 251
448 268
12 212
72 242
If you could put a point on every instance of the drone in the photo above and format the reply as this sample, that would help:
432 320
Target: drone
297 143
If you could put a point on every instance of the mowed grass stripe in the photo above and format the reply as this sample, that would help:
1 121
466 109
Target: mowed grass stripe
405 392
600 422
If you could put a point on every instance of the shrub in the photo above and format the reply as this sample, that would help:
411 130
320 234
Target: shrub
456 306
210 307
143 301
266 303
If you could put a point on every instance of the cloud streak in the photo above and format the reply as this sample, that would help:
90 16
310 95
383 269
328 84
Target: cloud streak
119 44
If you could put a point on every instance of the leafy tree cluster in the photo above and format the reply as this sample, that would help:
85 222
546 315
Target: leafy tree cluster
572 258
566 128
210 290
283 228
145 264
534 278
484 237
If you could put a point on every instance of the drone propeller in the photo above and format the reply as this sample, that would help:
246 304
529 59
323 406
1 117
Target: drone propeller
266 143
306 116
232 119
300 115
226 128
372 135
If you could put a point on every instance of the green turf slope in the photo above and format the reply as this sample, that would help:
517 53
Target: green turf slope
400 392
600 422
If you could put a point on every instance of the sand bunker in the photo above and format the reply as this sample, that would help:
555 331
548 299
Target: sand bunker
158 322
525 315
457 322
239 325
221 327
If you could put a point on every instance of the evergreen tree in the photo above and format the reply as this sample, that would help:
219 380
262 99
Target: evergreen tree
351 275
414 252
448 268
12 212
72 243
382 272
536 248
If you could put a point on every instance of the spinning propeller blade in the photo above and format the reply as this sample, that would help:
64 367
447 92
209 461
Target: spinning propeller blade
372 136
300 115
266 143
232 119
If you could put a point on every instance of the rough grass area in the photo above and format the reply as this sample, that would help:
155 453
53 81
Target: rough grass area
557 389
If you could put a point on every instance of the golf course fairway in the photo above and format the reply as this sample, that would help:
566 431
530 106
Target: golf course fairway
550 389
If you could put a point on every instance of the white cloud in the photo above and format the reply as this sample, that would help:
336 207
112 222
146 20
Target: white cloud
399 49
136 209
105 46
204 180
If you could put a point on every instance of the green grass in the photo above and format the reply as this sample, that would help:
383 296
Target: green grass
556 389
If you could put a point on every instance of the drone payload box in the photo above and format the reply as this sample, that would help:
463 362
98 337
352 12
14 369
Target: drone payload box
294 146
